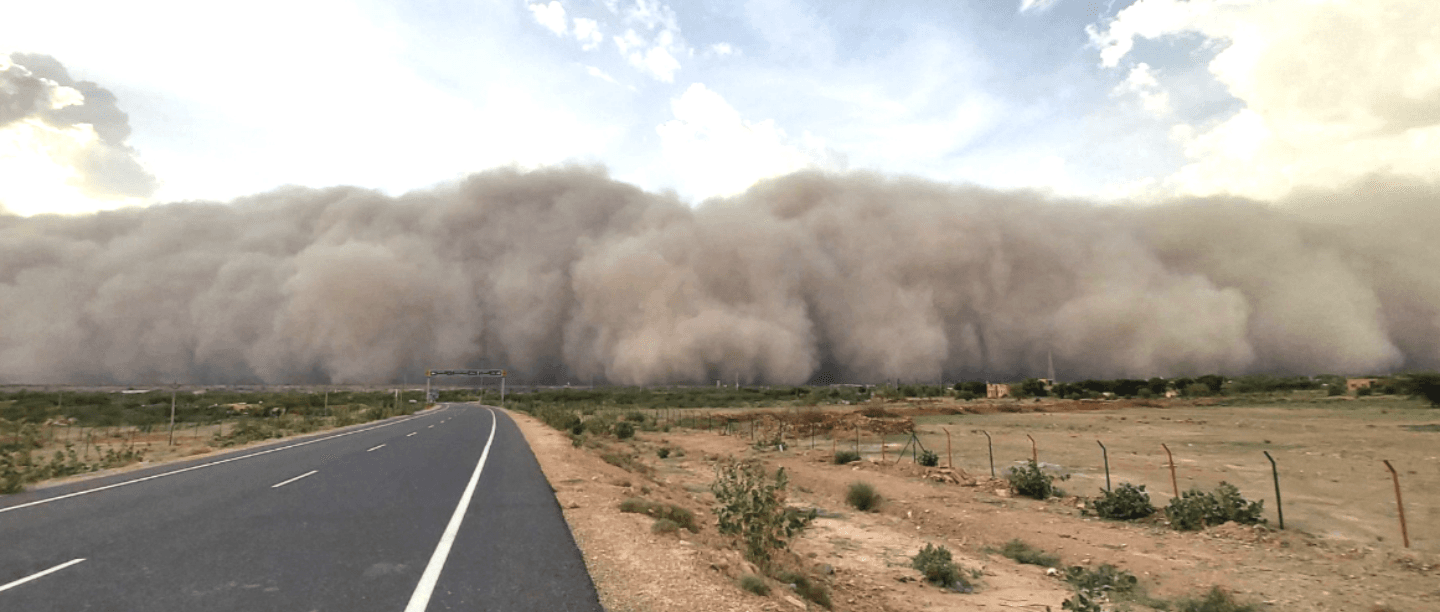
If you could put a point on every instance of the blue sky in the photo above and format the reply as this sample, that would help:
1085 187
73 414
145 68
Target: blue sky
1099 99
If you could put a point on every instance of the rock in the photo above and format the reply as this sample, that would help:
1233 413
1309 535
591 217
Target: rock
794 602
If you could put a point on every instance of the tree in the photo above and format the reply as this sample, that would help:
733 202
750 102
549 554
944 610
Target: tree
1033 387
1422 385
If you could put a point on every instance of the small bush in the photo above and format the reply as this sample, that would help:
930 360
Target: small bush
681 517
752 507
635 416
1196 509
929 458
1031 481
862 496
1021 552
624 430
1216 600
938 567
805 587
1126 503
1105 579
1081 602
625 462
662 452
754 584
664 525
843 457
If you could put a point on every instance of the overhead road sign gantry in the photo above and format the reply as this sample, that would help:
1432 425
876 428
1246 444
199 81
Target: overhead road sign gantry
488 373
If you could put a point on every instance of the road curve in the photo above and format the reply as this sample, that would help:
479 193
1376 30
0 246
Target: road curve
364 518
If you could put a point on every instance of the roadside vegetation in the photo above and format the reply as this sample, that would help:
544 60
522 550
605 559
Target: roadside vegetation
53 434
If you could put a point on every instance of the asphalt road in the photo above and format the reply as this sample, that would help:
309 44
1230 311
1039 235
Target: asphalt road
443 510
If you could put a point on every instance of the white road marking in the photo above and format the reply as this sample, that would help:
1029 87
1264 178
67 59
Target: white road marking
411 433
376 448
196 467
421 598
39 575
430 427
276 486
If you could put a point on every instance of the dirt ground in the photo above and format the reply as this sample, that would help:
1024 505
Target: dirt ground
1332 556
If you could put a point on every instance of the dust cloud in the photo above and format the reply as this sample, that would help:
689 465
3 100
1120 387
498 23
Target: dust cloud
563 274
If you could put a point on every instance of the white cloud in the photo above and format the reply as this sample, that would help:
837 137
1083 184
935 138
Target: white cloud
712 151
41 169
587 31
600 74
628 40
656 57
721 49
1331 91
551 15
1036 5
1142 82
657 60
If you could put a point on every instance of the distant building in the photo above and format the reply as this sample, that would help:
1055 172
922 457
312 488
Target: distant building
1354 384
996 390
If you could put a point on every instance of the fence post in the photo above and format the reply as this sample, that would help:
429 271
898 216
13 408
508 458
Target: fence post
991 445
1105 452
1275 471
1034 451
1173 485
949 458
1399 503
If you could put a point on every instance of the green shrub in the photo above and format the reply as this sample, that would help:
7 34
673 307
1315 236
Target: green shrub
862 496
624 430
1031 481
754 584
752 507
929 458
625 462
1196 509
1126 503
635 416
845 456
1021 552
1106 579
662 452
664 525
812 590
1216 600
938 567
1081 602
681 517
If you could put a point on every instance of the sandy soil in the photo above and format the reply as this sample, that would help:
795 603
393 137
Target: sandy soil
864 557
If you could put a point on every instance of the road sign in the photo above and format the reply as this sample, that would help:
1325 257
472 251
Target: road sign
500 373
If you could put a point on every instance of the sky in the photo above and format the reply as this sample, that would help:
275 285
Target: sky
106 104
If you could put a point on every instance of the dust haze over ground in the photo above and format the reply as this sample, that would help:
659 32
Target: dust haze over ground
563 274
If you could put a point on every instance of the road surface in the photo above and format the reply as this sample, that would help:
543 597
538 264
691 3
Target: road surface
442 510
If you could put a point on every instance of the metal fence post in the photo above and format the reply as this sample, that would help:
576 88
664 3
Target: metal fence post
1399 503
1105 452
1275 472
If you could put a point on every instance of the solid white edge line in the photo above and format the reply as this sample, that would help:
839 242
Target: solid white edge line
196 467
421 598
376 448
39 575
276 486
411 433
